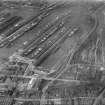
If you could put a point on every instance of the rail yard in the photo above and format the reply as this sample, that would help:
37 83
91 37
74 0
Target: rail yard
52 52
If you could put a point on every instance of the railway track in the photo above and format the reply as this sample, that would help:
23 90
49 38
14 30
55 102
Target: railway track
49 33
33 23
9 23
46 49
13 28
84 41
43 48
